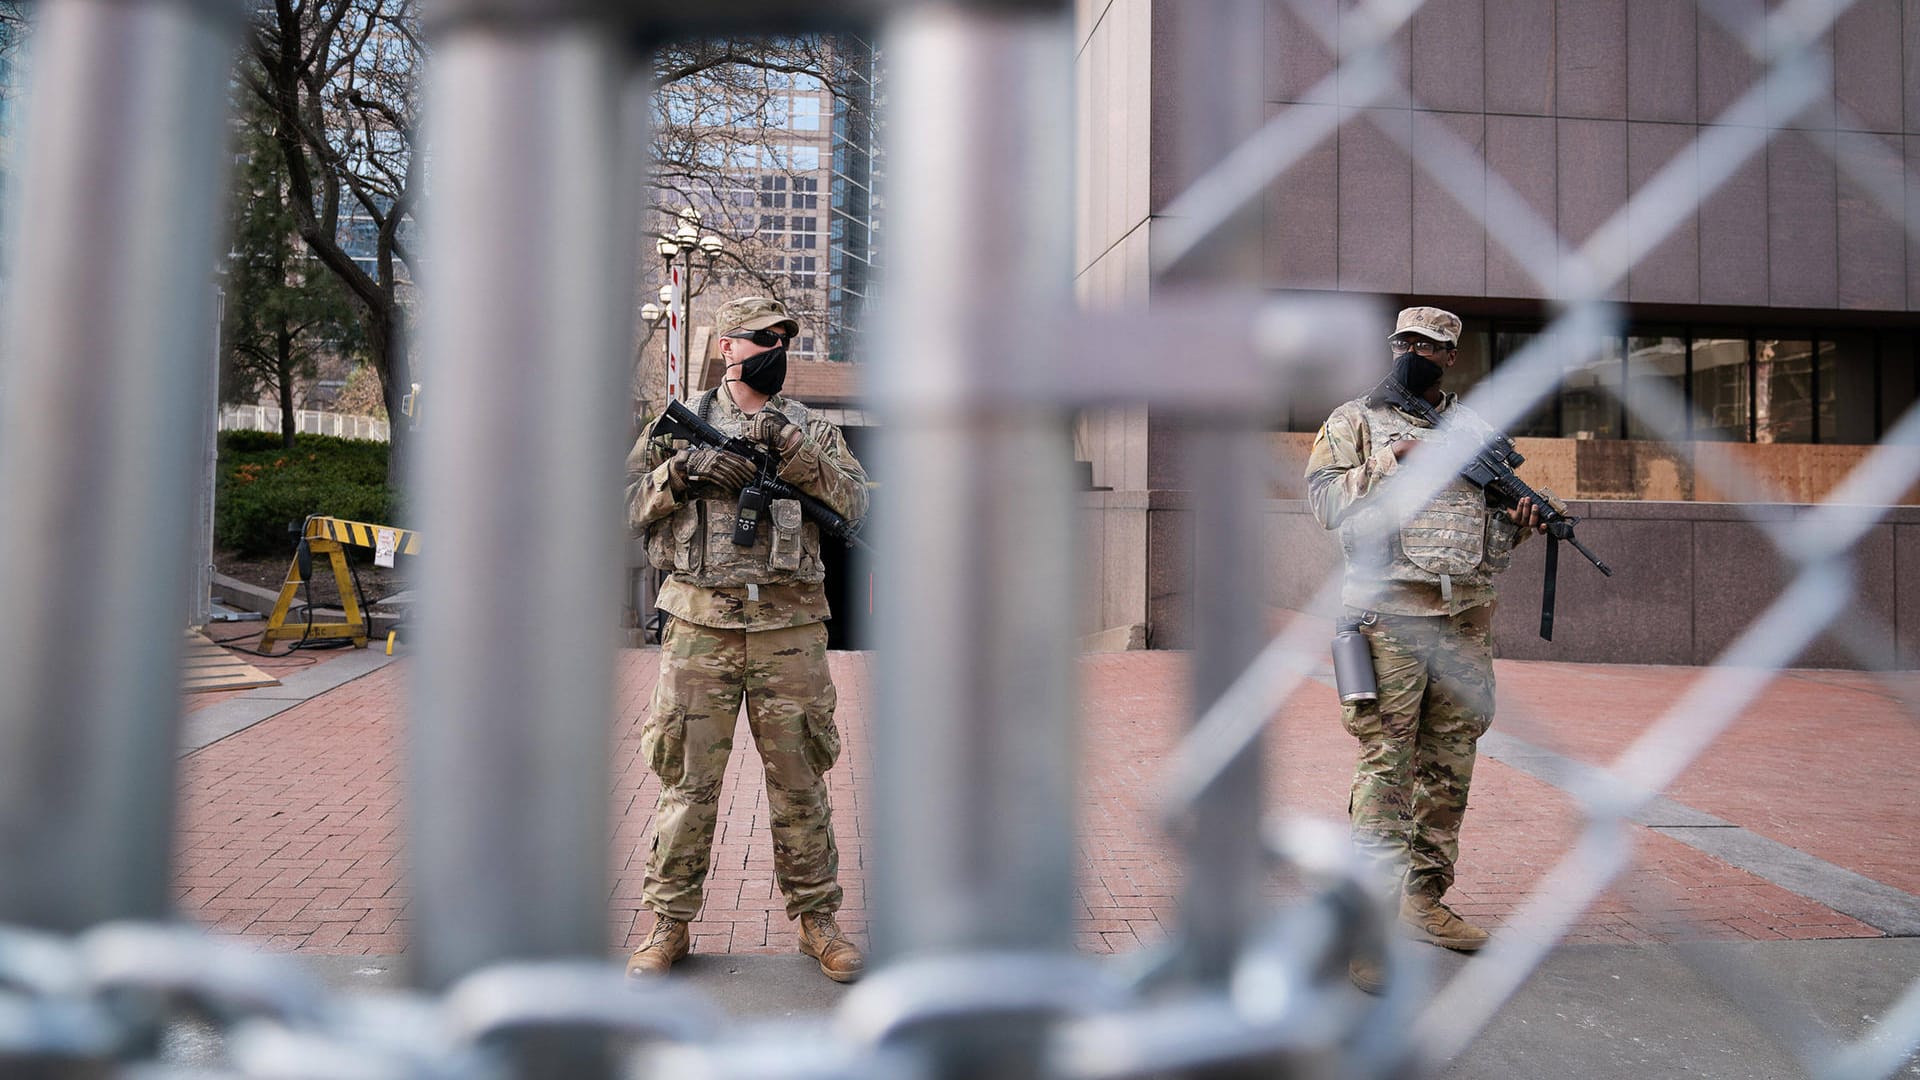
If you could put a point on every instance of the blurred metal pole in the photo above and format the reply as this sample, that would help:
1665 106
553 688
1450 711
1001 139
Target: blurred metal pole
1215 47
975 768
105 365
526 339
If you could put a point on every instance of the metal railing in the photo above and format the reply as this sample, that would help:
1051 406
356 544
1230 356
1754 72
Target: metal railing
537 123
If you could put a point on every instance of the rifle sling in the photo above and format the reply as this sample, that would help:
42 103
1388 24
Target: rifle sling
1546 592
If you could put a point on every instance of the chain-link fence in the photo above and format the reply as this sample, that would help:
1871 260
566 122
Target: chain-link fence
536 120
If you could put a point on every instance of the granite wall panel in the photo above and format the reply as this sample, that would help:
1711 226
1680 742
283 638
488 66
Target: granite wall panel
1733 237
1726 69
1355 26
1802 226
1302 207
1297 58
1376 202
1590 52
1689 579
1867 87
1592 180
1662 60
1906 595
1642 612
1910 62
1520 48
1448 64
1449 241
1819 113
1872 246
1669 273
1521 152
1913 214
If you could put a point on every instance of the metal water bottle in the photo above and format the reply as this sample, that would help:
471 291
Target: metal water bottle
1353 666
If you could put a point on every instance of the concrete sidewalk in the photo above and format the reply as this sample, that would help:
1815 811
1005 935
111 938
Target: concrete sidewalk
1600 1011
1799 823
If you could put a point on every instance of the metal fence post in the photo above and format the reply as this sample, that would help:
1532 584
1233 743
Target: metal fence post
518 484
1215 47
107 351
974 770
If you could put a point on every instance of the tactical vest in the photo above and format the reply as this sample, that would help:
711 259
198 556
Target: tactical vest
695 542
1450 539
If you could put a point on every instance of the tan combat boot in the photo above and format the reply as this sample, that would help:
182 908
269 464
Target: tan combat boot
820 938
668 941
1431 921
1368 973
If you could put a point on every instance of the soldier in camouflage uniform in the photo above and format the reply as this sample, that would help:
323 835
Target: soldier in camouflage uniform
745 623
1419 581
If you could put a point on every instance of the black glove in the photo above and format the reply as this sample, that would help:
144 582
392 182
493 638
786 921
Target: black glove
711 465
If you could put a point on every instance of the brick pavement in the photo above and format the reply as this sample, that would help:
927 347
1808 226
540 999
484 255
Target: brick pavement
291 837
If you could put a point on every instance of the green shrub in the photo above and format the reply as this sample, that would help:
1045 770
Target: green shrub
264 488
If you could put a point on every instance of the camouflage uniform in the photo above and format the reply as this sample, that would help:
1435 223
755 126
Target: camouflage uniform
1420 580
746 622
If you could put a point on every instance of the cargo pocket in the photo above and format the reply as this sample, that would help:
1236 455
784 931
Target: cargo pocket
822 744
663 746
785 554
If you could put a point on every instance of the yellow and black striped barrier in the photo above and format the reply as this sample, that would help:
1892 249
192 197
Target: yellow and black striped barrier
331 537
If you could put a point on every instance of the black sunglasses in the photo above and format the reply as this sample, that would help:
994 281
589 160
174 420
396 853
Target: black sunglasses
766 339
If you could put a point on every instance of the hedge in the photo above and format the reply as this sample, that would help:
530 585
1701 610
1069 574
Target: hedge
264 487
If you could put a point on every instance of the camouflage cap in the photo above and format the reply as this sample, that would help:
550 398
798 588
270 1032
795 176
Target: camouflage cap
751 313
1428 322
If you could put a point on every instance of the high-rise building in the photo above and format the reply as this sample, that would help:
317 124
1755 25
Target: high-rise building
758 155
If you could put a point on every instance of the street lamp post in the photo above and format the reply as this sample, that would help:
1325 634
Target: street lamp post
677 250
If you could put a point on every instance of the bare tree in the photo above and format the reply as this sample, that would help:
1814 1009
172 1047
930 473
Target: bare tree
284 312
722 129
337 79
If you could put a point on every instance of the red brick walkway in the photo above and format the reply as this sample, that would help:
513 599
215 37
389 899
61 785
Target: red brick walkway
291 836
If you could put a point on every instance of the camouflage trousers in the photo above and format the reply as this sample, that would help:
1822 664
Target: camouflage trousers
688 737
1417 743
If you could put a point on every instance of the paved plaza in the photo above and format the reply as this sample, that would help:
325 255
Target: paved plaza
1799 823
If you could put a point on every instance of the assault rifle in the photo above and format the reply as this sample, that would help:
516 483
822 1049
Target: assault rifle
683 423
1491 470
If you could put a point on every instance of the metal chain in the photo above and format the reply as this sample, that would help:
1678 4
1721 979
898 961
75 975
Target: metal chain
107 996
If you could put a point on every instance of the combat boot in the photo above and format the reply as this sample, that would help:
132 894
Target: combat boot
1368 973
820 938
668 941
1426 918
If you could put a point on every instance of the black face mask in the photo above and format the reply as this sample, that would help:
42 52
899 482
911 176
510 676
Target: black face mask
1415 372
766 372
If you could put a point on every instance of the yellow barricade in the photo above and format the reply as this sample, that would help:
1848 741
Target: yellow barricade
331 537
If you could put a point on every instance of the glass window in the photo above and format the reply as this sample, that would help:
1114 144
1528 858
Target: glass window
1720 387
804 114
1473 361
1656 369
1845 379
1783 390
1544 421
805 158
1899 364
1590 392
